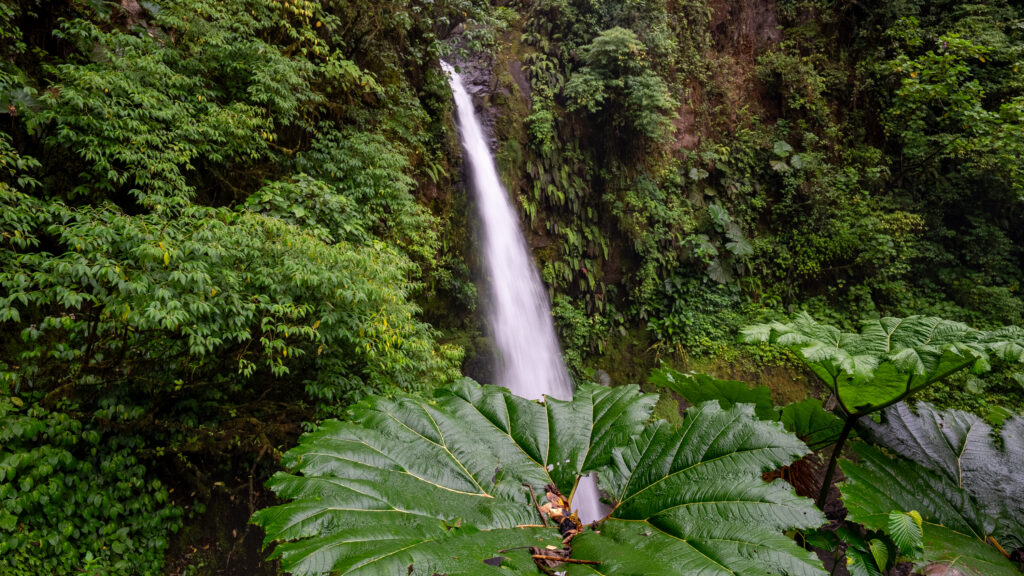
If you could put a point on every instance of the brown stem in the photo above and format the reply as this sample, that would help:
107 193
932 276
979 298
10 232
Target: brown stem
834 459
992 540
533 496
545 570
565 560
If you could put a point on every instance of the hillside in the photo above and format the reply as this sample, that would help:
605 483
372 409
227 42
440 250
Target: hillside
225 222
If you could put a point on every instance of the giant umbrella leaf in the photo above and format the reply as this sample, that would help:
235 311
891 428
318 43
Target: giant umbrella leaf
956 528
891 358
436 487
965 450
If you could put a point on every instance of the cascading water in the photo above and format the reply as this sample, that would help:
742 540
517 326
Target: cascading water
530 363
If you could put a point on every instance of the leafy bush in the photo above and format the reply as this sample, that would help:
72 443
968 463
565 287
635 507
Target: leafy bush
226 291
76 500
617 76
699 315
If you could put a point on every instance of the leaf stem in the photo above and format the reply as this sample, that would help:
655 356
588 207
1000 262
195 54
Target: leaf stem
565 560
533 496
834 459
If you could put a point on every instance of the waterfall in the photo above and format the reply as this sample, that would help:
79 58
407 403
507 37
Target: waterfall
530 360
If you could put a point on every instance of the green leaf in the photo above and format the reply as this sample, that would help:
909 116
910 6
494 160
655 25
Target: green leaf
890 358
954 527
782 148
963 449
740 247
695 495
880 553
906 531
861 563
809 420
719 215
8 522
698 388
885 384
414 487
822 538
859 560
720 272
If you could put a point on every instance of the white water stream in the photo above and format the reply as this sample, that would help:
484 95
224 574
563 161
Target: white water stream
530 360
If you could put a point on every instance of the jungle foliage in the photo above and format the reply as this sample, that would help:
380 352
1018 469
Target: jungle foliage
222 222
888 361
862 161
209 233
444 486
954 471
929 488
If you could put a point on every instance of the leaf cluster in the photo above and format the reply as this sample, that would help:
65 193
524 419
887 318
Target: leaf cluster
72 497
890 358
687 499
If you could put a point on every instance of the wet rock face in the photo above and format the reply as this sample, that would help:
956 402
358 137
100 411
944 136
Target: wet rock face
745 26
480 82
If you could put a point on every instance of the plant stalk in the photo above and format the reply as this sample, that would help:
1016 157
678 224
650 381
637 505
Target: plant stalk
834 459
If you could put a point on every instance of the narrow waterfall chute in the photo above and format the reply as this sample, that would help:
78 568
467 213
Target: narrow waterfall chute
530 360
529 357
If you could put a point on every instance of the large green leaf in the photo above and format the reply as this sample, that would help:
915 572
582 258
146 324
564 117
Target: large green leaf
955 527
415 487
808 419
889 358
698 388
963 449
693 499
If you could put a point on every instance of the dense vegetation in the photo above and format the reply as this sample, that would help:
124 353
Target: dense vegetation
209 236
864 161
224 222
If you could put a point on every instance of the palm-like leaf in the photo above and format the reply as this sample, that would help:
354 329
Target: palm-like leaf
962 448
955 528
414 487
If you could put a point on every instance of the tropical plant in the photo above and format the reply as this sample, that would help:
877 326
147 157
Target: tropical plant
695 314
445 486
975 131
872 552
617 76
219 289
889 360
807 419
965 451
72 496
955 528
